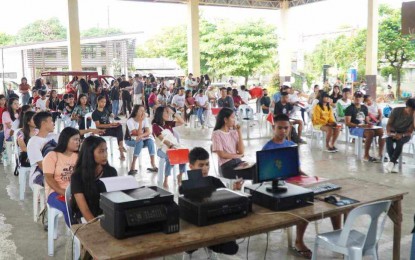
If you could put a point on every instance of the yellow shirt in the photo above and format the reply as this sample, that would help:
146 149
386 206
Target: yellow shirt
322 116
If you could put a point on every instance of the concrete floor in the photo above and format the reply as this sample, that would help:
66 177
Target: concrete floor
21 238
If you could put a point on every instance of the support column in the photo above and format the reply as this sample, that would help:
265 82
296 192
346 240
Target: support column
74 36
193 50
372 46
284 51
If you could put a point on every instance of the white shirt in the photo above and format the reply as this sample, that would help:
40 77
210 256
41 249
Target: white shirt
15 124
373 109
133 125
178 100
189 84
41 104
245 96
202 100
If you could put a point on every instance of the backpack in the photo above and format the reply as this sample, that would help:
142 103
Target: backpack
49 146
387 111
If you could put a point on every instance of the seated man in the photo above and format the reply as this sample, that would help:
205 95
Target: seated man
399 130
279 140
199 160
357 119
342 104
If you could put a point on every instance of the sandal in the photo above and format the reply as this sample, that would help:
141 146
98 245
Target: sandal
307 254
132 172
154 169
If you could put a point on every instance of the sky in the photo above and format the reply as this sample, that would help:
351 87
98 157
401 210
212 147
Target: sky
150 18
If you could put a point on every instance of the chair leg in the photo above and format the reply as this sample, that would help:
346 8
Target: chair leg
160 173
77 249
35 203
315 250
51 231
289 236
22 183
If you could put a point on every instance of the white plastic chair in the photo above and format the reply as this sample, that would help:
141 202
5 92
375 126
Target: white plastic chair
76 242
23 171
53 217
130 154
7 159
317 135
107 139
353 243
38 200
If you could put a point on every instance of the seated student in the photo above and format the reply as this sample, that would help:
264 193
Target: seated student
399 130
224 100
138 135
281 129
323 119
92 164
33 99
58 167
357 119
8 118
70 105
101 118
375 114
82 108
41 102
62 103
343 103
24 135
52 104
227 143
199 160
19 123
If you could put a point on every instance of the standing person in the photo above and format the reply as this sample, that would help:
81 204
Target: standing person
189 84
225 100
148 88
323 119
162 126
399 130
24 89
92 164
115 99
244 94
83 87
2 109
125 87
237 100
9 117
227 143
202 105
52 104
70 88
82 108
207 81
58 167
357 119
138 87
92 94
138 135
343 103
190 105
41 102
101 118
265 102
375 114
152 100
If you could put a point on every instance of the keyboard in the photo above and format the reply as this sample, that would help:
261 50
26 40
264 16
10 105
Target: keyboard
323 188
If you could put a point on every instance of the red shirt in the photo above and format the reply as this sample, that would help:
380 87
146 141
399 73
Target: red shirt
237 100
2 109
167 125
35 99
152 99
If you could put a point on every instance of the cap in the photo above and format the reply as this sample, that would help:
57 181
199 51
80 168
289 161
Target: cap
358 94
287 84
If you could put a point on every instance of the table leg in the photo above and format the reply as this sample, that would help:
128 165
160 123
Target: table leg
395 214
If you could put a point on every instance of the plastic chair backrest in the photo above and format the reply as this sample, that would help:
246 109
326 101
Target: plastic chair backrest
374 210
16 147
68 198
245 112
89 115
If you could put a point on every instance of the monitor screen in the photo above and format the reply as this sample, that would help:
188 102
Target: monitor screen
281 163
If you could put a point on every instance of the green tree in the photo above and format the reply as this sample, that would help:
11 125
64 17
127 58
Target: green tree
394 48
96 32
42 30
6 39
242 49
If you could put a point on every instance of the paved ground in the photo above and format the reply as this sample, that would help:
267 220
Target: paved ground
21 238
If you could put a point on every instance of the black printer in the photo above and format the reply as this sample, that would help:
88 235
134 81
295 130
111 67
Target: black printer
139 211
222 205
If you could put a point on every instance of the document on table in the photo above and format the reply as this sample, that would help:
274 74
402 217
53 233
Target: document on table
119 183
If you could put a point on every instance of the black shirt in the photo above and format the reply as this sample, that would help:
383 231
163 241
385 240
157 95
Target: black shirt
54 105
102 117
77 186
265 100
335 98
283 109
61 105
353 111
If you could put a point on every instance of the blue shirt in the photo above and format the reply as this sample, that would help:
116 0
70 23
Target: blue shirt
272 145
276 97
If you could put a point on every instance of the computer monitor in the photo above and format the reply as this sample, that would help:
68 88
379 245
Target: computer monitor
277 164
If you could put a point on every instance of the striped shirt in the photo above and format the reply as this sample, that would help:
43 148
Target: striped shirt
225 141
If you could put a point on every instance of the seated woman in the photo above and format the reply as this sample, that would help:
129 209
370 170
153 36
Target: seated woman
8 117
237 100
81 109
227 143
92 164
101 118
162 126
19 123
58 167
138 135
52 104
23 136
323 119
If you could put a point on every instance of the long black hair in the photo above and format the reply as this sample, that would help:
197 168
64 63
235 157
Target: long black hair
23 110
321 101
64 137
158 116
220 119
25 122
79 99
135 111
85 168
10 109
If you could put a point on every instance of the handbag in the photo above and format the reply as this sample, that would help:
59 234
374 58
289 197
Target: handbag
24 159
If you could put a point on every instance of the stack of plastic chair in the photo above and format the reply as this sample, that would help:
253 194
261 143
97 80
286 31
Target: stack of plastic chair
76 245
352 243
23 171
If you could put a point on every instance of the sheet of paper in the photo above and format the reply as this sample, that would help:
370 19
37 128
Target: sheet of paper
119 183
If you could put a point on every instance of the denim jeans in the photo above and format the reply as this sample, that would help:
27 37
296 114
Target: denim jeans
167 167
115 107
54 202
138 146
200 112
394 153
1 141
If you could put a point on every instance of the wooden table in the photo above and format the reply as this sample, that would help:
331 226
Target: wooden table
102 245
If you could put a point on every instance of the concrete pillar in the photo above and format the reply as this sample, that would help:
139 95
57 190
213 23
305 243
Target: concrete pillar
372 46
193 50
99 70
284 50
74 36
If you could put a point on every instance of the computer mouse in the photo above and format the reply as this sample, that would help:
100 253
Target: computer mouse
331 199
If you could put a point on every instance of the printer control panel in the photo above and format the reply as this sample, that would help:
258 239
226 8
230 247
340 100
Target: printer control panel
150 214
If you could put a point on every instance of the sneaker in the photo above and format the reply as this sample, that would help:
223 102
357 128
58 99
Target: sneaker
389 167
335 148
330 150
210 254
395 168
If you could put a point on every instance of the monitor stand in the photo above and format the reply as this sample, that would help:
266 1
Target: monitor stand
277 187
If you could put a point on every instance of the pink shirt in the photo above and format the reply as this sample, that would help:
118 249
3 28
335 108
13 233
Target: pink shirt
7 119
225 141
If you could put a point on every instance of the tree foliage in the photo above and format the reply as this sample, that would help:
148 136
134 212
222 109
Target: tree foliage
96 32
42 30
6 39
